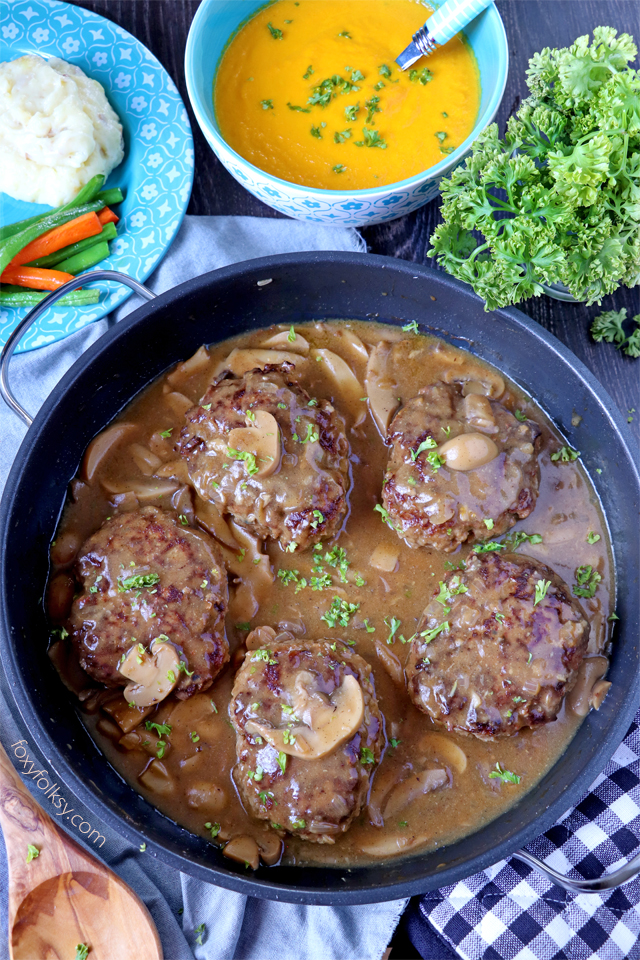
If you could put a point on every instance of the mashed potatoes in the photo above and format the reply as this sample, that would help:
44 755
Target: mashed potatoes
57 130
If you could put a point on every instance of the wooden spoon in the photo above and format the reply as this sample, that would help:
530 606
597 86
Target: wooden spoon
64 898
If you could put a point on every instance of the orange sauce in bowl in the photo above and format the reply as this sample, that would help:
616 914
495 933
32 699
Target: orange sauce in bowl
308 91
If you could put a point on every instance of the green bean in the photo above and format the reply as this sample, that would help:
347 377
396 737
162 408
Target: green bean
85 195
11 296
82 261
109 232
10 247
111 196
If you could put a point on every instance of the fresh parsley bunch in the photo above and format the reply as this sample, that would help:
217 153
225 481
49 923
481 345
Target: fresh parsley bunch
558 200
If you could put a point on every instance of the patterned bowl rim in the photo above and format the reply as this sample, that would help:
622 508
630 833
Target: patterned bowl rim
219 144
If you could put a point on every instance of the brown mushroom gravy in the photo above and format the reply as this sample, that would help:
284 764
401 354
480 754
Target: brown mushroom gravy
365 588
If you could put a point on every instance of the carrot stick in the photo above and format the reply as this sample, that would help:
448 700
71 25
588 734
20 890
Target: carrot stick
88 225
107 216
34 277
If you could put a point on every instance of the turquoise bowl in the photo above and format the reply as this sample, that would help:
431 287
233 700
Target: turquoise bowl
215 23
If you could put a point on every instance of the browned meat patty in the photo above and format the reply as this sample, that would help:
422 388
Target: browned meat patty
144 575
277 693
437 506
487 658
304 499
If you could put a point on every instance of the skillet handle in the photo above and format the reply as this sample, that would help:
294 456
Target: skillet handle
607 881
16 336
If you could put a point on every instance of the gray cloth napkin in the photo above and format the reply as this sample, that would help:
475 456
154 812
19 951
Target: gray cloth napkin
235 927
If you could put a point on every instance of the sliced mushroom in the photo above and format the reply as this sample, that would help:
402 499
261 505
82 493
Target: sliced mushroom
478 413
600 690
413 787
283 341
382 388
260 637
154 673
240 362
184 371
391 662
203 795
342 375
145 490
60 596
445 750
591 671
262 439
176 469
468 451
178 402
254 570
329 721
144 459
126 716
243 849
271 847
125 502
385 557
103 446
157 778
65 547
209 517
354 342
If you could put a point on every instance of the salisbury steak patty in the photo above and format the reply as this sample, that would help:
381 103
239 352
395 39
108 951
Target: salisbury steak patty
308 736
498 647
143 575
298 493
432 504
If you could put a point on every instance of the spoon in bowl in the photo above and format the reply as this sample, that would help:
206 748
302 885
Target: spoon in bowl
63 903
441 26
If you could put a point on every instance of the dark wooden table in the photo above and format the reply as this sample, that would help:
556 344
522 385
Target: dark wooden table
163 26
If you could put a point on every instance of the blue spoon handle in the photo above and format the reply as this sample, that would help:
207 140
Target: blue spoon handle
447 20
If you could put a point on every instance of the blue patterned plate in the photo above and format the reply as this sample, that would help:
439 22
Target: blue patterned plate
157 171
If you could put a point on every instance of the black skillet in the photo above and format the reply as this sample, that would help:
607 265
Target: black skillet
306 286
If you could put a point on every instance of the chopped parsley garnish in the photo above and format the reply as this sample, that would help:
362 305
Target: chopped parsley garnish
541 591
608 326
379 85
291 336
488 547
249 459
264 654
339 168
337 557
519 415
213 828
297 109
506 776
194 736
429 635
82 951
428 444
266 104
587 580
422 76
441 135
318 518
243 626
183 520
384 71
32 853
514 540
372 109
411 327
345 34
143 847
162 729
282 406
312 435
394 743
321 583
161 745
342 136
565 455
352 112
201 930
288 576
183 668
282 761
489 524
340 612
138 582
393 624
274 31
592 537
518 700
499 617
258 775
167 433
435 461
384 514
305 76
371 139
265 795
366 755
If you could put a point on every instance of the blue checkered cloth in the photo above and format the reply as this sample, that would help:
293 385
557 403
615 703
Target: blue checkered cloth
511 912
